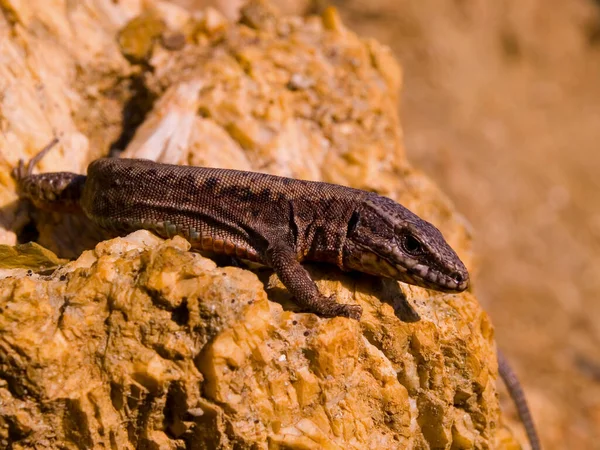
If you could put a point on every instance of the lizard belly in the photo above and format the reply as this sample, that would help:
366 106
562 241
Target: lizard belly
201 238
225 247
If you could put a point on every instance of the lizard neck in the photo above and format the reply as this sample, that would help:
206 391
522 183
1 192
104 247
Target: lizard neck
326 244
324 238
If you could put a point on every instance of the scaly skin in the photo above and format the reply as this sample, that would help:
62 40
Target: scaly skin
276 221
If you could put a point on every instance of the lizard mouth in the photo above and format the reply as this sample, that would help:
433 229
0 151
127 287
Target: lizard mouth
418 274
427 277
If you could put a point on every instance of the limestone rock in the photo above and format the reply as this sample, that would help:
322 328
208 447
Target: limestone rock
142 344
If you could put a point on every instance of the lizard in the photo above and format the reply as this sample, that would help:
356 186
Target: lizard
276 221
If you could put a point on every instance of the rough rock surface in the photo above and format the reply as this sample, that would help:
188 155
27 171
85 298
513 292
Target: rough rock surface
141 344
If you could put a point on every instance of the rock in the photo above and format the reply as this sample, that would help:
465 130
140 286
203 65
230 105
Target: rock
140 343
142 331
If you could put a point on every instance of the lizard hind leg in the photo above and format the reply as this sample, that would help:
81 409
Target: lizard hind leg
54 191
24 170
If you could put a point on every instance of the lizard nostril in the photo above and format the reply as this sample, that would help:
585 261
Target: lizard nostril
458 277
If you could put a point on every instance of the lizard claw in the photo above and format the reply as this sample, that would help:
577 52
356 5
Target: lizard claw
19 172
331 308
351 311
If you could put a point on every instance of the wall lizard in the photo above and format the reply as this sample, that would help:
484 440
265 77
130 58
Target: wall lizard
276 221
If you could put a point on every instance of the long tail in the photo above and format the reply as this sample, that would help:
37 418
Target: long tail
516 392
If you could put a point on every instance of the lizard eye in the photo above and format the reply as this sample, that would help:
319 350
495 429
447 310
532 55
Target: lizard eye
411 245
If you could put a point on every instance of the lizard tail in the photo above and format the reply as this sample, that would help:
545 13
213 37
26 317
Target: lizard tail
516 392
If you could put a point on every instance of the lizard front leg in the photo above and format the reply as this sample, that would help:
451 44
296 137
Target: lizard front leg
297 280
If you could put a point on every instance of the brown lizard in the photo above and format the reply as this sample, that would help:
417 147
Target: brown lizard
276 221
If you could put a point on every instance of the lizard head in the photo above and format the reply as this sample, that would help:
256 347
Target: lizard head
386 239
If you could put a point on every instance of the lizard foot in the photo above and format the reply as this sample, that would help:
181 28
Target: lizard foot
23 170
351 311
329 307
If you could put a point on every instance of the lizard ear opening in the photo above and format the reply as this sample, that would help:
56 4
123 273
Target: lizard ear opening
353 222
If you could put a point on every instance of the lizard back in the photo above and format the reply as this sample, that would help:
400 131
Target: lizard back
221 210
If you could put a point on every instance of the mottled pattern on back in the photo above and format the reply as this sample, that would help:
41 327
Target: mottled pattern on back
232 212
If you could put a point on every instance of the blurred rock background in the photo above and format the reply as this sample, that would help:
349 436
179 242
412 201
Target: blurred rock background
501 107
